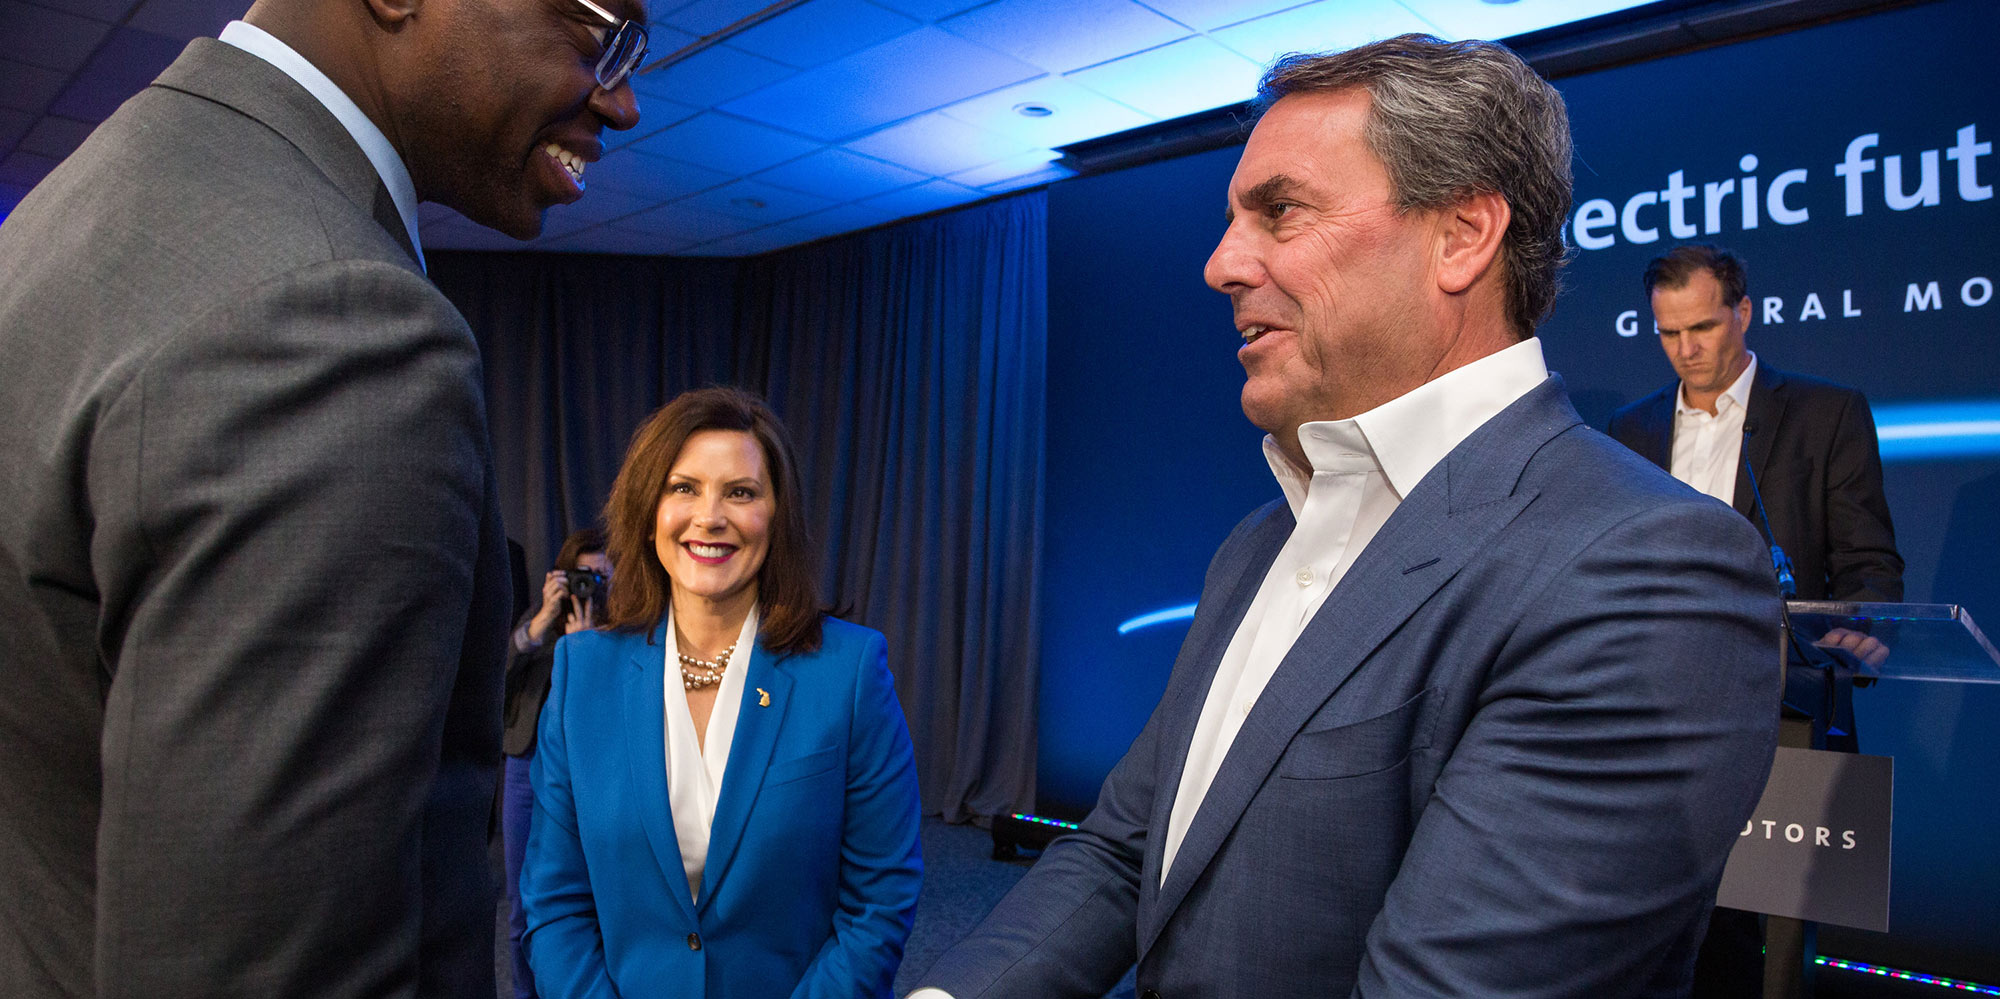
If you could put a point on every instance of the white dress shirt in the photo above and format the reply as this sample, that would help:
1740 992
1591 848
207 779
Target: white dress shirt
695 766
373 143
1707 447
1361 470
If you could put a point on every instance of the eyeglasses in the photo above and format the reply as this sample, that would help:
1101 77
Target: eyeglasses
624 44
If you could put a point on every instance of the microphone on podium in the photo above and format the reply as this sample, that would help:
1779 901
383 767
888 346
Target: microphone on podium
1781 564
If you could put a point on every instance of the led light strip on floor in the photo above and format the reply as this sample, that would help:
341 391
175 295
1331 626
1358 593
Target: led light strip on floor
1038 820
1908 976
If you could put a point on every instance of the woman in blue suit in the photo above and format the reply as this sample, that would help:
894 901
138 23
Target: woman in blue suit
725 796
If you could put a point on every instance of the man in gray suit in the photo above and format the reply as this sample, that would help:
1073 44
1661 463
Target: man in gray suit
251 563
1477 707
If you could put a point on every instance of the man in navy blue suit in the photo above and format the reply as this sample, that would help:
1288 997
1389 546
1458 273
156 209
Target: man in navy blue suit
1477 707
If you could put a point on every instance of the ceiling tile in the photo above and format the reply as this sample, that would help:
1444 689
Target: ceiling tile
906 75
1174 80
748 244
705 17
924 198
930 10
655 114
934 143
1079 113
28 88
1007 169
822 31
596 207
13 126
1048 174
720 142
656 178
838 175
57 137
757 202
1062 35
25 169
841 218
186 19
710 77
663 40
1483 19
47 38
686 222
1206 14
128 61
1326 26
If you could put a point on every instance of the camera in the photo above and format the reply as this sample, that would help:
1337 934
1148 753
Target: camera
583 584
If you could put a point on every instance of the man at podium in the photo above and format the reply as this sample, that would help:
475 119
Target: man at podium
1739 430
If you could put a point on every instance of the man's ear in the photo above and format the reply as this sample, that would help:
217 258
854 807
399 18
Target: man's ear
1469 238
393 13
1742 311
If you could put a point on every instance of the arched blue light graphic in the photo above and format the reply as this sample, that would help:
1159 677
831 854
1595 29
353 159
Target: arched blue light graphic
1919 431
1181 613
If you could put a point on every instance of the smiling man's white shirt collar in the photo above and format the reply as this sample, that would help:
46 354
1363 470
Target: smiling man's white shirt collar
396 176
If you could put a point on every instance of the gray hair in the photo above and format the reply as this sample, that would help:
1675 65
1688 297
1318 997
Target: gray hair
1448 119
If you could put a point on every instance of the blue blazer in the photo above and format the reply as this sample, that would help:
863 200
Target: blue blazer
812 871
1508 756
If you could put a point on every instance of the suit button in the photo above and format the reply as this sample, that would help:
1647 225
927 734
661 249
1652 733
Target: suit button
694 941
1149 994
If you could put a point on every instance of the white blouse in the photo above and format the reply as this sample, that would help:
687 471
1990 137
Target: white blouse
694 768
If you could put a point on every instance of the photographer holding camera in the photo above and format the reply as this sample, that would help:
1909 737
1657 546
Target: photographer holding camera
572 600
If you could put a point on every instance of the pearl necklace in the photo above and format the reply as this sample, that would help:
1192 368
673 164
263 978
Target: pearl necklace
697 672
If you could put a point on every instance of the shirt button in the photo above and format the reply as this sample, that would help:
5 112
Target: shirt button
694 941
1304 576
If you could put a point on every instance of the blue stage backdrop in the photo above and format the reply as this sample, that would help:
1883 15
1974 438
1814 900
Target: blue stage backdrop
1851 164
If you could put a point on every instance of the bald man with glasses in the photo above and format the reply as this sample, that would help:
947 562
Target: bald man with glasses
251 559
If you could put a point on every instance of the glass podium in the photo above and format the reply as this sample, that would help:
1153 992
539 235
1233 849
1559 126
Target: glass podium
1936 642
1834 646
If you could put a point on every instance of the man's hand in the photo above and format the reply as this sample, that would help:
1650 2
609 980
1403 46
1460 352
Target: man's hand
1867 648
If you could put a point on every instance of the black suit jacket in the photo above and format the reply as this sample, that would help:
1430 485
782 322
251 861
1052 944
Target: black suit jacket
1814 452
251 567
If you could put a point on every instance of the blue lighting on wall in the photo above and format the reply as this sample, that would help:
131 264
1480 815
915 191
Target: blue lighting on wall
1182 613
1909 431
1921 431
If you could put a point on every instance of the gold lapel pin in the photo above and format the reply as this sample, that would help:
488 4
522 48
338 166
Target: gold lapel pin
763 699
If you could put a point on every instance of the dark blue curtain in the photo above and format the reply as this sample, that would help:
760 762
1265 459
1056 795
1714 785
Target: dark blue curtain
908 363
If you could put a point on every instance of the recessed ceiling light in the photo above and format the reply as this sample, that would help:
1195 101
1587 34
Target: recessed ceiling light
752 203
1032 110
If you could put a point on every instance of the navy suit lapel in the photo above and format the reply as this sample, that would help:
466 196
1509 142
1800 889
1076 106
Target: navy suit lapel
1442 524
1215 623
1765 412
750 749
646 759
